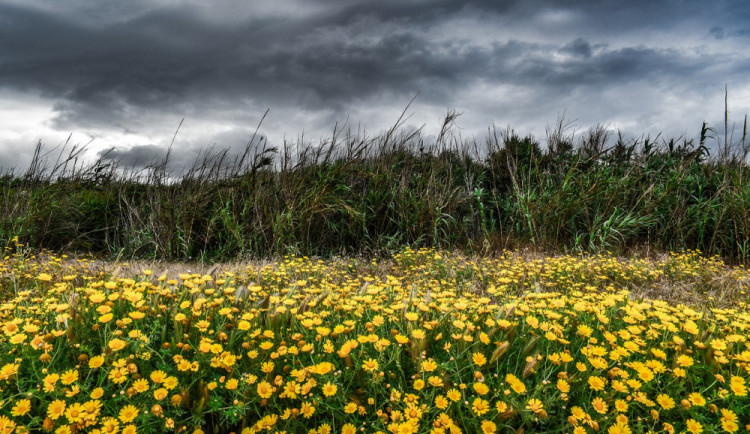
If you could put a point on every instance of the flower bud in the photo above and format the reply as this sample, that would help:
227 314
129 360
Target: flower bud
157 411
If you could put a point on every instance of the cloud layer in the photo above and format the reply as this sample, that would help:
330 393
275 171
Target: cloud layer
126 73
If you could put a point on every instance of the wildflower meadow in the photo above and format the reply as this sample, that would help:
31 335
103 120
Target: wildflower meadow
422 341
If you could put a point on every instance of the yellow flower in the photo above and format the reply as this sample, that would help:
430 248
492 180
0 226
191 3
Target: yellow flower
232 384
728 415
170 382
267 367
158 377
619 428
92 407
18 339
118 375
534 405
117 344
454 395
665 401
481 388
291 390
418 384
435 381
729 426
599 405
74 413
73 391
645 374
479 359
140 385
110 425
737 384
429 365
480 406
307 410
9 370
597 383
55 409
329 389
501 407
370 365
694 427
401 339
621 406
202 325
96 362
563 386
69 377
488 427
584 330
44 277
515 384
264 389
22 407
128 413
49 382
577 413
413 411
690 327
697 399
184 365
684 360
97 393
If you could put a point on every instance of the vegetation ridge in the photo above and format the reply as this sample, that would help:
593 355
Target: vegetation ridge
354 194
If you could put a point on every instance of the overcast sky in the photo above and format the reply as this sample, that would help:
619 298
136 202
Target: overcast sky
125 73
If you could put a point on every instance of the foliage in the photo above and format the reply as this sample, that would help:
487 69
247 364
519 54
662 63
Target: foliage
360 195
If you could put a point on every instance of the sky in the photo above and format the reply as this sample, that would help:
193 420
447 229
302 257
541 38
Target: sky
123 75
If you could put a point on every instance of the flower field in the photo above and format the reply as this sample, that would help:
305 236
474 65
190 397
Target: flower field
423 341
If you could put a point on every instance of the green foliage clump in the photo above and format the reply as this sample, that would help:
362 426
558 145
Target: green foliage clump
373 195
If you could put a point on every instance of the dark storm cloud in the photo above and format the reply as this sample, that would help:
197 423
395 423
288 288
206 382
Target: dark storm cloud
124 65
166 60
137 156
580 47
227 146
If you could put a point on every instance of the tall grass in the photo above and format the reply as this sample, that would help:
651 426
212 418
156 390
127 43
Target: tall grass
358 194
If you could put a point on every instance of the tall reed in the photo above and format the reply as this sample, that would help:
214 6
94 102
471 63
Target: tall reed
355 194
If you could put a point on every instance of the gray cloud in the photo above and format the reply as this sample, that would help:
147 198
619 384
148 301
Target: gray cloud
138 156
133 69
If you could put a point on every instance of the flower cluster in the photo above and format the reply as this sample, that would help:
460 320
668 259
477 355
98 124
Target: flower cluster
422 342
